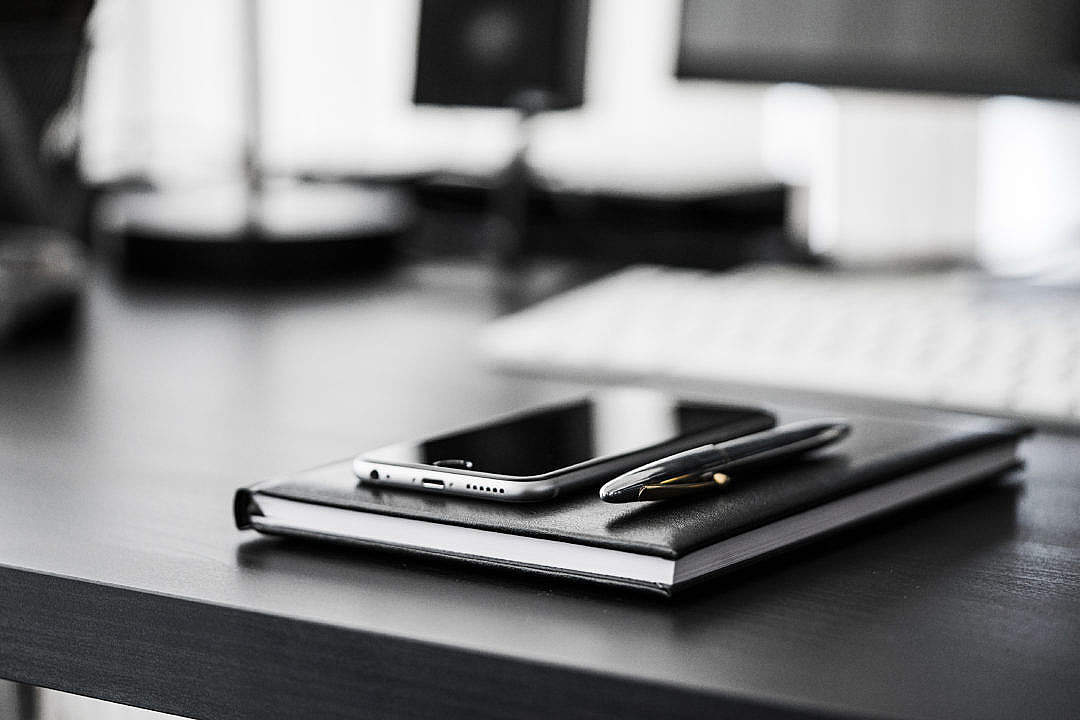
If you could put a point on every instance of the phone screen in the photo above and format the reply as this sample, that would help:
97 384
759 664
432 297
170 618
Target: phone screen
557 437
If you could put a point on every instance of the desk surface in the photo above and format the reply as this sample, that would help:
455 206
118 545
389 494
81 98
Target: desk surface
121 576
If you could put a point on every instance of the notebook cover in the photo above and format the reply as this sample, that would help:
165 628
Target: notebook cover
877 450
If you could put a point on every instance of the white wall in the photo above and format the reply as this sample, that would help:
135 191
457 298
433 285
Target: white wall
1029 192
165 99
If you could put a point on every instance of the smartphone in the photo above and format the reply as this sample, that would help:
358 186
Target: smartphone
540 453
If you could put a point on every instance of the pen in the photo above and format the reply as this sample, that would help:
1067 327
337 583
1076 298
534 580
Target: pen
706 468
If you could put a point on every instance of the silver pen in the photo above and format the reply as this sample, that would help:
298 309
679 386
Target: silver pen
707 468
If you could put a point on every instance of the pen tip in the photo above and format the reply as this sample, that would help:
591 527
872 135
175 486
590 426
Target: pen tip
619 495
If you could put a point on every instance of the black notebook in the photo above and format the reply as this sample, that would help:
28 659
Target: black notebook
883 465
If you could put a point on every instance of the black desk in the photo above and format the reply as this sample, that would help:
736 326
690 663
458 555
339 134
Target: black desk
121 576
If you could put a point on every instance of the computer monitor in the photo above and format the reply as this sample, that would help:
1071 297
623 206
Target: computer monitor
981 47
502 53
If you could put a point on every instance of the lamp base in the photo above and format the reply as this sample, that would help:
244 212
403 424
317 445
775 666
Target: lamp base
283 232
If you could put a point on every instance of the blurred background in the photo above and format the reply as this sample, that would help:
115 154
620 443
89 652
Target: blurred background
865 198
315 105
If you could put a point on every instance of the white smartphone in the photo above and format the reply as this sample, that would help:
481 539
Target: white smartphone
540 453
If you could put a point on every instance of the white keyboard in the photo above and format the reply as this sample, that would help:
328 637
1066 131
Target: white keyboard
950 340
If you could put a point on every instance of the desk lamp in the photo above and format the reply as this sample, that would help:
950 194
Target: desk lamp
528 57
282 229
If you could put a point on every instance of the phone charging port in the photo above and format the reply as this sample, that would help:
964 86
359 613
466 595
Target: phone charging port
437 484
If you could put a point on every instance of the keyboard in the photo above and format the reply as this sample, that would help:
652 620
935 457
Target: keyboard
952 340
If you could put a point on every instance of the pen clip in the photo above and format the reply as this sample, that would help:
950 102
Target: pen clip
689 484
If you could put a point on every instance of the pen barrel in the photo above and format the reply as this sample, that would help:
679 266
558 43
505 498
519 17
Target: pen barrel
774 445
689 463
